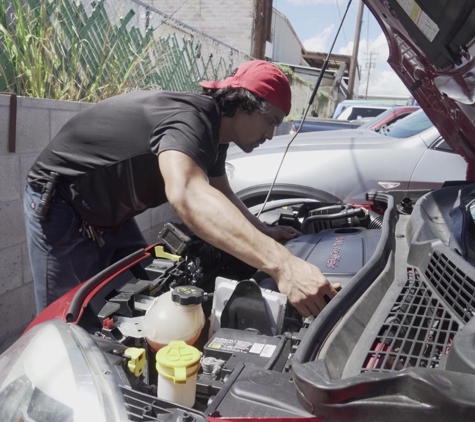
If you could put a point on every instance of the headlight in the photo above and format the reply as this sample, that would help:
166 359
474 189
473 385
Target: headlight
229 170
55 372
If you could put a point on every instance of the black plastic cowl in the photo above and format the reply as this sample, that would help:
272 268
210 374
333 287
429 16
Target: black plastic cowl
187 295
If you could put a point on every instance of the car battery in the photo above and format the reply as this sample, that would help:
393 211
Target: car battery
238 346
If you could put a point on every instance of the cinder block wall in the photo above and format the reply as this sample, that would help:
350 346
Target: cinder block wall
38 121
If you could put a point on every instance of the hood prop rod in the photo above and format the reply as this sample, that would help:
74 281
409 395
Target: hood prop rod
310 102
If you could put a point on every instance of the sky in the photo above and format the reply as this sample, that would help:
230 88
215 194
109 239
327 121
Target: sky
316 23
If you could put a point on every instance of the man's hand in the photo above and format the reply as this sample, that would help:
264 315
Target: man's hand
306 287
281 234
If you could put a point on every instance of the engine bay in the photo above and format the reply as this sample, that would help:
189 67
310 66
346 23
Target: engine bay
397 338
250 332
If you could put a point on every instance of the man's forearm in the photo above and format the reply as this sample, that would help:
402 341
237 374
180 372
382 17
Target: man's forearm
278 233
230 227
258 224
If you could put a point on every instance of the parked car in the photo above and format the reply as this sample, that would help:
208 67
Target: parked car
316 124
343 165
368 104
395 344
312 124
357 112
388 117
384 103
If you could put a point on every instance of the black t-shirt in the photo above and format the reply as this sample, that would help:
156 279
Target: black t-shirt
107 154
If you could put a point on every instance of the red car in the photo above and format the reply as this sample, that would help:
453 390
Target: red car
397 343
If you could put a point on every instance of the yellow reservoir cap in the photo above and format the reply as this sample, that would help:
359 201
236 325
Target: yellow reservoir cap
178 361
136 363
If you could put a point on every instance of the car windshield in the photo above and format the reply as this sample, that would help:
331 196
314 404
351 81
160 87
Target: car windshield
411 125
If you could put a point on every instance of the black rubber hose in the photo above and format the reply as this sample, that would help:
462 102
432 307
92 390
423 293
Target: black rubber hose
347 213
330 209
376 221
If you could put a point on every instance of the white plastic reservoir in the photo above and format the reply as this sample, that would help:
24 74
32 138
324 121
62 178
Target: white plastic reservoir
175 315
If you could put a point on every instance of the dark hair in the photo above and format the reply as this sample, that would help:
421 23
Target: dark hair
229 99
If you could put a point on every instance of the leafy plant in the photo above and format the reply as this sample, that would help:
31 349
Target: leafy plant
53 49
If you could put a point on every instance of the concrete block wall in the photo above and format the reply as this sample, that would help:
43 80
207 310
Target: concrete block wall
300 97
229 22
38 121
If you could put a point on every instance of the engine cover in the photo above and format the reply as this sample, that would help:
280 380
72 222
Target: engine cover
339 253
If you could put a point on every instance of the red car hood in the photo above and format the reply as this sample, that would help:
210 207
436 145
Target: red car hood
431 48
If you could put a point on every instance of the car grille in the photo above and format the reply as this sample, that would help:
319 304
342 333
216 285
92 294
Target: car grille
417 332
455 287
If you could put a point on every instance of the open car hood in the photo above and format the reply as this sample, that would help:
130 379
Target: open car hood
431 48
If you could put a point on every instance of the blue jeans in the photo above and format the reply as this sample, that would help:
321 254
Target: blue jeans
60 257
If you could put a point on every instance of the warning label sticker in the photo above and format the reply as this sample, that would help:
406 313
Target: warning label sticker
426 25
239 346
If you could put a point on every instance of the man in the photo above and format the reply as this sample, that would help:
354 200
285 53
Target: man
104 163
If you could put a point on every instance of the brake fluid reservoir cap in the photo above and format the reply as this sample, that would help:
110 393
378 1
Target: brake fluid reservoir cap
187 295
178 361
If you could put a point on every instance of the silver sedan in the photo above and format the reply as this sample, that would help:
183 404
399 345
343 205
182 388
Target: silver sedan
344 164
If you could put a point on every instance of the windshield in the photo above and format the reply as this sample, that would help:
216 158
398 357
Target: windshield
411 125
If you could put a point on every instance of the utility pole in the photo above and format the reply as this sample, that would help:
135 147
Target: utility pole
262 27
354 57
369 65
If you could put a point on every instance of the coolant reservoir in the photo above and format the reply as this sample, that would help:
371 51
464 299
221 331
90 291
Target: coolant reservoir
175 315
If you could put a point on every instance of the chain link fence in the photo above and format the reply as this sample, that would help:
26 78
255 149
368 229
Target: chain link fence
87 50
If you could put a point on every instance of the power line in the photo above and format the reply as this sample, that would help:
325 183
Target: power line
178 8
339 14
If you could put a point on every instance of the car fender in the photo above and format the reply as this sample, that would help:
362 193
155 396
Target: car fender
436 167
253 194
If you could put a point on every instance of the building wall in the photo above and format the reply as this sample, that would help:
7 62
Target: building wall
229 22
38 121
233 23
286 45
